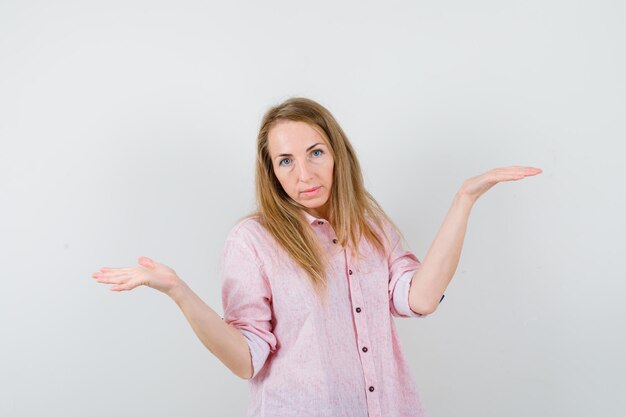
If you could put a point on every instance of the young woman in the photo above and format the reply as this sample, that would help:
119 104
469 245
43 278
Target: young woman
312 279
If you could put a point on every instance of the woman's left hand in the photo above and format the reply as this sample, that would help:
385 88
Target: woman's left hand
477 186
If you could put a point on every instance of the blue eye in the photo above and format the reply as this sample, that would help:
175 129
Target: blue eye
283 160
318 150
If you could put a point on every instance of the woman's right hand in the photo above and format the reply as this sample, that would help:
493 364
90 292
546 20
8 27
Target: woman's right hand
149 273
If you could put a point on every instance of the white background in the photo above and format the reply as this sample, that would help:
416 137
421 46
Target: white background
128 128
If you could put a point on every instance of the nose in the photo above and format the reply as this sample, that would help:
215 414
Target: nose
305 174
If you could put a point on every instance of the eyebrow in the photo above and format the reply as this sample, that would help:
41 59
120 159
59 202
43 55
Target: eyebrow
307 149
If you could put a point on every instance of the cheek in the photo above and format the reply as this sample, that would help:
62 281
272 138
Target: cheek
286 183
329 174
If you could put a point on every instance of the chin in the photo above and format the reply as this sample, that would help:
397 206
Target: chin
314 206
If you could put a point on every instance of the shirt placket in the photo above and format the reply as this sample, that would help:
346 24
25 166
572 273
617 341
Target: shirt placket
363 340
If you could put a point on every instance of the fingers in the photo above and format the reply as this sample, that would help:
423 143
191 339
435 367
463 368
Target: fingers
127 286
121 282
110 269
145 261
124 279
514 173
112 274
533 171
105 279
526 170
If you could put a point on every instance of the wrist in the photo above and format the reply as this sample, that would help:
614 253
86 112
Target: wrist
177 291
464 200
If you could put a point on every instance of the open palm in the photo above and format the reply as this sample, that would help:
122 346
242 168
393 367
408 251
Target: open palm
148 272
478 185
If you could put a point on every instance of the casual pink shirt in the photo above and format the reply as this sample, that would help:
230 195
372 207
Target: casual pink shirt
342 360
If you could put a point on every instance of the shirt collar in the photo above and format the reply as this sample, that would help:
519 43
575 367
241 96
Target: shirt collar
309 218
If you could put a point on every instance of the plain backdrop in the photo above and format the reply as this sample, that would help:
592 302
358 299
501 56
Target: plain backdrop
128 128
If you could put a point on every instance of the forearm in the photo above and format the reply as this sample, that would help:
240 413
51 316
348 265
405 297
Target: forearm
441 260
223 340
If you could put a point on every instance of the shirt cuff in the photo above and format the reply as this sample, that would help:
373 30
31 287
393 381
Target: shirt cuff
259 350
401 296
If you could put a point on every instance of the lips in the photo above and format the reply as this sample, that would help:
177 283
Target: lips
310 189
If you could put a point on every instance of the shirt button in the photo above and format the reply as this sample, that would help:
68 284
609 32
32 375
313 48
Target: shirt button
358 309
350 271
371 389
334 240
364 349
320 222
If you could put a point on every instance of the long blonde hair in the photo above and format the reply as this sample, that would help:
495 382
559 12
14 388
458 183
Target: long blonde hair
350 205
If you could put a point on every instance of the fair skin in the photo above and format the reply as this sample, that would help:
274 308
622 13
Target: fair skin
302 161
225 341
438 267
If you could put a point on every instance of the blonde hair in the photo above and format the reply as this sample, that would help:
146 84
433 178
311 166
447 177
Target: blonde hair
350 204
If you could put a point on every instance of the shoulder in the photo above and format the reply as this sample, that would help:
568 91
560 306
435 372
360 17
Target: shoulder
383 226
249 234
243 227
247 230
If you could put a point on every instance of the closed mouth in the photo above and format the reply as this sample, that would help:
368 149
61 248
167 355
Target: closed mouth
312 189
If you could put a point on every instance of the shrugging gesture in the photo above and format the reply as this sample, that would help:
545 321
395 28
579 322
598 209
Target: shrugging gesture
303 158
440 263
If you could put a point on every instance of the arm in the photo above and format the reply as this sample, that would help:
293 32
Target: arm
438 267
222 339
441 260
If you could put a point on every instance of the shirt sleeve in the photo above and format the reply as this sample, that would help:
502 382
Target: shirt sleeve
259 350
401 297
402 265
246 298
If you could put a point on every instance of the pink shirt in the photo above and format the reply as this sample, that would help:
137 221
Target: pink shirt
344 360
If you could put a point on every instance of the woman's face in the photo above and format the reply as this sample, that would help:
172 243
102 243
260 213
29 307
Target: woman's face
303 164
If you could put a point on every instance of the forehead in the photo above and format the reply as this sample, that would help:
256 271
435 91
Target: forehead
289 135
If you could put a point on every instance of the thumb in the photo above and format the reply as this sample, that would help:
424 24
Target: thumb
147 262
